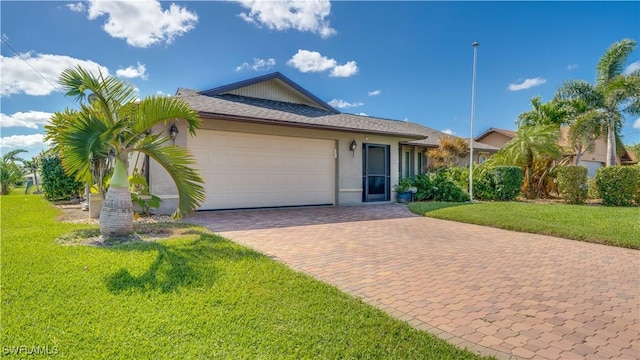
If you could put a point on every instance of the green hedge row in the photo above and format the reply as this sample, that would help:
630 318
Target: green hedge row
619 185
572 183
501 183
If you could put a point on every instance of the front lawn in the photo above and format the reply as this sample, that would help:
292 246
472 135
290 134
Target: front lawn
617 226
194 295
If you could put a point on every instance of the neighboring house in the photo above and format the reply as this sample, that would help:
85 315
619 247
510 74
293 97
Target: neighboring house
267 142
592 160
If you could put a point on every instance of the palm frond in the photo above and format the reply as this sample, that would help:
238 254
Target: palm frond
614 59
157 109
177 162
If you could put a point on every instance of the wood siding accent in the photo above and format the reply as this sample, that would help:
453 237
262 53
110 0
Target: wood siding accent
275 90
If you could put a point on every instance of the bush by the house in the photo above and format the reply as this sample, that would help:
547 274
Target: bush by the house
438 186
592 193
572 183
618 185
57 185
507 182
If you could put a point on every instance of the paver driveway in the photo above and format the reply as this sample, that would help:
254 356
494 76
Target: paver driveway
497 292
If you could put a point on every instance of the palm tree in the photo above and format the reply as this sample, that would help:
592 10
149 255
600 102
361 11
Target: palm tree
550 113
613 94
533 144
10 171
32 166
114 124
585 127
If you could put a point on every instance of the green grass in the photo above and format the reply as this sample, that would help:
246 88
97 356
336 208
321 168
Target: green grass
195 295
617 226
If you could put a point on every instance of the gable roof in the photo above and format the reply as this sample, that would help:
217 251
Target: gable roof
280 80
508 133
434 137
260 100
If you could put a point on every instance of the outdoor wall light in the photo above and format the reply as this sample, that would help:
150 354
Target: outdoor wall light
353 147
173 133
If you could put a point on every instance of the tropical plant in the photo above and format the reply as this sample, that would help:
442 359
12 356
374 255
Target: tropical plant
534 148
549 113
449 152
33 166
113 123
613 93
573 183
56 183
10 170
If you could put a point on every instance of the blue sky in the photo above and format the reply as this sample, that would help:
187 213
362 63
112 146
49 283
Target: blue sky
398 60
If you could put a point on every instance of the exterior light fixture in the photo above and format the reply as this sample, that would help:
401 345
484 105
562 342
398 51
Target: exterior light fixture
173 133
353 147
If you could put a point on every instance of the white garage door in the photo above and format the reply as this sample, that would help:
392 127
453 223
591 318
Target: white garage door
252 170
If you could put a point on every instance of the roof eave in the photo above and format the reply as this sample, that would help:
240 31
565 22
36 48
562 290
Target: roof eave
218 116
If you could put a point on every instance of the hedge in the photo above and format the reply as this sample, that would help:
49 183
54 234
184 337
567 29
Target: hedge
572 183
57 185
619 185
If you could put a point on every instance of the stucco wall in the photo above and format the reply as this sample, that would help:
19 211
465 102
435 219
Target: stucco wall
495 139
348 165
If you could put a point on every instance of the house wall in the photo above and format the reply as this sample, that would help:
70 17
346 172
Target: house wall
348 165
599 153
495 139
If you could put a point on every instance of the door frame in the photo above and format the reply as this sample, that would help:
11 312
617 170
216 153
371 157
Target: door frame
366 175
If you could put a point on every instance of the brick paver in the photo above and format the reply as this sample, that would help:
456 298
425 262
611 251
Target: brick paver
496 292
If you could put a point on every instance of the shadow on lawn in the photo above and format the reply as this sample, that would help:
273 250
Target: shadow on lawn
177 265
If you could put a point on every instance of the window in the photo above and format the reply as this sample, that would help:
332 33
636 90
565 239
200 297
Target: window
420 164
406 168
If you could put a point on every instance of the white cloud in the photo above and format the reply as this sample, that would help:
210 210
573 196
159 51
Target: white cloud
313 61
572 67
527 84
133 72
375 92
362 114
448 131
18 77
22 141
308 15
346 70
143 23
77 7
636 124
634 66
258 65
30 119
341 104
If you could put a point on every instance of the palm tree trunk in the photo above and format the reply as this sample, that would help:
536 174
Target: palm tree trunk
116 215
611 143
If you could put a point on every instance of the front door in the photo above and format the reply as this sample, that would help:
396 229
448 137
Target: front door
376 177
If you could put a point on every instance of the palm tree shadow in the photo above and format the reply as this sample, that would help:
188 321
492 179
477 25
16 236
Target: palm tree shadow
177 265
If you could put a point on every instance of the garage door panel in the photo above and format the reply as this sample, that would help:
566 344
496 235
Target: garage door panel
254 170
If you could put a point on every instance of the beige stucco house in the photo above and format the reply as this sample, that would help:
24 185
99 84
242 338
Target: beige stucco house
592 160
267 142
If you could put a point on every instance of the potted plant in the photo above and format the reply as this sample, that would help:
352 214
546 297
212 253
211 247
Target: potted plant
405 190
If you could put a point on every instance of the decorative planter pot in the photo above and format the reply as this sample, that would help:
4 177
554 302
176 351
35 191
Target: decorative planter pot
404 197
95 205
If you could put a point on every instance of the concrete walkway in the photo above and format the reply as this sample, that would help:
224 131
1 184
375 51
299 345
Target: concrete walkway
496 292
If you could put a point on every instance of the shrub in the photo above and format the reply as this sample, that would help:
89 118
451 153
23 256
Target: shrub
618 185
592 193
424 188
57 185
445 189
572 183
507 182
